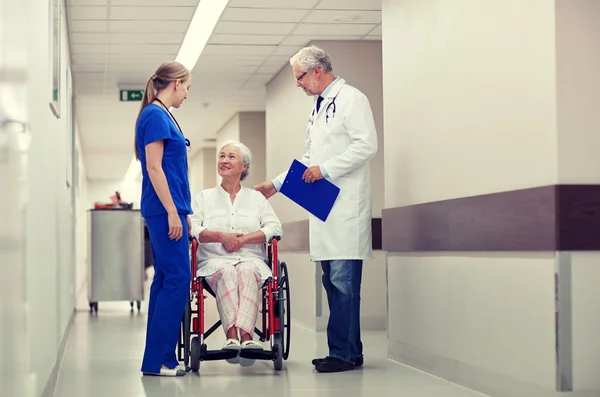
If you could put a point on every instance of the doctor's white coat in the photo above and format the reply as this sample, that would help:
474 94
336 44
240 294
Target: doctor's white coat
343 145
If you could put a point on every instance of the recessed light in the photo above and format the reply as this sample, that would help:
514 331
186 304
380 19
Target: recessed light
345 18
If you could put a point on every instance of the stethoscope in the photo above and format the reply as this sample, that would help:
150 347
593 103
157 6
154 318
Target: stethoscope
331 104
187 141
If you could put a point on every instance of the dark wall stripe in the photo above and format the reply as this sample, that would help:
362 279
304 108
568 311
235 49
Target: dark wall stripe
578 214
549 218
296 236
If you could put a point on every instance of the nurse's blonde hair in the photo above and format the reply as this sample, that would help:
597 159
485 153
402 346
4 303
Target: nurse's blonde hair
244 152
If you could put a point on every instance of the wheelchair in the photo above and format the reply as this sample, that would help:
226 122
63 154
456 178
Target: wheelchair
275 292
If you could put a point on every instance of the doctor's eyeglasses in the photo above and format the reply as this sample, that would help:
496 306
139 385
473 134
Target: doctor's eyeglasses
188 145
299 78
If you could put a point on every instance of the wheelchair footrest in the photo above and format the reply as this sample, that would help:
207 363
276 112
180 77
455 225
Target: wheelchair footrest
216 355
257 354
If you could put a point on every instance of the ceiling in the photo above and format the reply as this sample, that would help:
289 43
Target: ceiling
119 43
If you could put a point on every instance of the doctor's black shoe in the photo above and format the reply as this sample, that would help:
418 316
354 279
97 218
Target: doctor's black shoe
332 364
358 363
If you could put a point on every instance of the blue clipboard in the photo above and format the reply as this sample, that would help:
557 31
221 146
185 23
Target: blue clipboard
317 197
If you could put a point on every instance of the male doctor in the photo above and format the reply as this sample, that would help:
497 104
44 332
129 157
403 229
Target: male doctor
340 141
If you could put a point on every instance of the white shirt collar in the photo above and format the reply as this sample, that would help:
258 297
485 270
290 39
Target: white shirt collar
223 191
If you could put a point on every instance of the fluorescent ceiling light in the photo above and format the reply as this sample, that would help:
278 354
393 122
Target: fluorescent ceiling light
203 23
206 17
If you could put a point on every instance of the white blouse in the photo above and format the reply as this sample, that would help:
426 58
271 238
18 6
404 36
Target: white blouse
250 212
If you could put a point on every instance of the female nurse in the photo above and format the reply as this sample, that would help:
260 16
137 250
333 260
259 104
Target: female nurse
161 148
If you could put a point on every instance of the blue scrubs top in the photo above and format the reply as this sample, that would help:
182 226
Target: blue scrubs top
155 124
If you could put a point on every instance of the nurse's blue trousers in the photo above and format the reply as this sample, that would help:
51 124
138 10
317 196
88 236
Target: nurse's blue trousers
168 293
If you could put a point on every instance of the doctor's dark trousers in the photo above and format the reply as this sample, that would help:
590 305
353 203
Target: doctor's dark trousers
168 294
342 280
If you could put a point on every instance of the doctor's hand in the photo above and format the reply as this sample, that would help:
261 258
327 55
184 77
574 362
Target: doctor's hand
266 188
232 241
312 174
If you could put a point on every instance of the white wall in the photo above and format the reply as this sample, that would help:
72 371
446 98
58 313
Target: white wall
467 115
50 279
473 91
203 170
81 227
14 351
288 110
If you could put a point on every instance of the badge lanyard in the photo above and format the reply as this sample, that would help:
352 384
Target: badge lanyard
187 141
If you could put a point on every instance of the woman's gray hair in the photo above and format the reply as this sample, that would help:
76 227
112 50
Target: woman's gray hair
310 57
244 152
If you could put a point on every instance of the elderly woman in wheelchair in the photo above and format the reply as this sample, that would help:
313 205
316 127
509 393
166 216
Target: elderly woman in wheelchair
233 224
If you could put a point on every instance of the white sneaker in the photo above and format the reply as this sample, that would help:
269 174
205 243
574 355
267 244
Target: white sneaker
250 344
232 344
168 372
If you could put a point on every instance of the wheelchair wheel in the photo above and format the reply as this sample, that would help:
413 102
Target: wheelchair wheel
187 316
285 315
278 344
195 354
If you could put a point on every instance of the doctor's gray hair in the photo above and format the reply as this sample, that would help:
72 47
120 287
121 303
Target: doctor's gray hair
310 57
244 152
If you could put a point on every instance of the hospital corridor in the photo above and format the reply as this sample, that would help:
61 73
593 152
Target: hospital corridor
102 359
340 198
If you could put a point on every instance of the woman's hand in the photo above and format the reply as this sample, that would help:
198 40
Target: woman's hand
175 227
232 241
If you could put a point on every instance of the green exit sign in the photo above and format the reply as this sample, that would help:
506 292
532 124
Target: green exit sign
131 95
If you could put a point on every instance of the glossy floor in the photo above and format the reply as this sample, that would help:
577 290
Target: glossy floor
103 359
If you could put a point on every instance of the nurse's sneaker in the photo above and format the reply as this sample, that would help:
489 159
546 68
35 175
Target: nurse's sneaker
167 372
232 344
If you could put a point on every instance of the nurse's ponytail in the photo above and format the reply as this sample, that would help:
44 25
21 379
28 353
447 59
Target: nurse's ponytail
166 73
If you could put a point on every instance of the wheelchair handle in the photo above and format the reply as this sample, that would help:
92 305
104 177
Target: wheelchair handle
193 256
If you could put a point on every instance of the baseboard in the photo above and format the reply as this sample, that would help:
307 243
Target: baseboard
50 387
472 377
321 323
